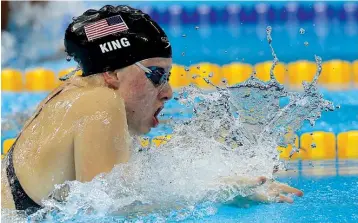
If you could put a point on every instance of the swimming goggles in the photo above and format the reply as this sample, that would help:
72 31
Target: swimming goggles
157 75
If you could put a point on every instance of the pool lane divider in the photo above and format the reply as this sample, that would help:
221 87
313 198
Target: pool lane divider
314 146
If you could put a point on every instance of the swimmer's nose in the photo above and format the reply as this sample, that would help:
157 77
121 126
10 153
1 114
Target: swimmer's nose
166 93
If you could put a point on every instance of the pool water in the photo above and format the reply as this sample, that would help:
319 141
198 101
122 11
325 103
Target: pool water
326 199
341 120
330 187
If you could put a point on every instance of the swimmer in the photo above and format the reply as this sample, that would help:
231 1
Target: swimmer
83 127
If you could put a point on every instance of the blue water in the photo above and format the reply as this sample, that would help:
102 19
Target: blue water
329 196
326 199
247 43
330 189
222 44
341 120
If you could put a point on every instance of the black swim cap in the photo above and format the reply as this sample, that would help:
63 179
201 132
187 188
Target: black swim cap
114 37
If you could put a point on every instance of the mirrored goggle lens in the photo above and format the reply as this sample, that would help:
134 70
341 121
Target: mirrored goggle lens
158 75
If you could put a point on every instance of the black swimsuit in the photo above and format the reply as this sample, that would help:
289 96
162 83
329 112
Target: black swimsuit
21 199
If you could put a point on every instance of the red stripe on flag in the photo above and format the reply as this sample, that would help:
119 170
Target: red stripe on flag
104 29
102 22
101 29
104 32
101 35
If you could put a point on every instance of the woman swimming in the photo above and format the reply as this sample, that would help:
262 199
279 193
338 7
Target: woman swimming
83 127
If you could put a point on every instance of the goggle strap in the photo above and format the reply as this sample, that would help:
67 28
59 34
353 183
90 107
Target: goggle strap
145 69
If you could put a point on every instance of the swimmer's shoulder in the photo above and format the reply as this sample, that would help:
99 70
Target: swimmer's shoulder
98 99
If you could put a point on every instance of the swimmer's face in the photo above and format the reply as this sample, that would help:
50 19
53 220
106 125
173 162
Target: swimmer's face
143 100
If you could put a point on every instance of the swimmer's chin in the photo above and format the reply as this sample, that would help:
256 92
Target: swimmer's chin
143 130
152 124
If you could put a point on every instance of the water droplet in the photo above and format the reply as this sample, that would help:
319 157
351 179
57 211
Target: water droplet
184 35
305 43
225 51
198 67
211 74
224 81
183 53
68 58
268 32
186 68
302 31
162 114
293 151
246 95
196 27
313 145
338 106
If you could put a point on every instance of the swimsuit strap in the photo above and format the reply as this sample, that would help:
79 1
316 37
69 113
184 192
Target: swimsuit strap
54 93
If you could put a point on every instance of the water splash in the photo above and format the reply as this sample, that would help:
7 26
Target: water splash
71 73
234 132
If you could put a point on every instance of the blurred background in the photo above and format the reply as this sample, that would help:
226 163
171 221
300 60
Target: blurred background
225 38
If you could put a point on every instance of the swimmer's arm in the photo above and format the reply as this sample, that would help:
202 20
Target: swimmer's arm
101 140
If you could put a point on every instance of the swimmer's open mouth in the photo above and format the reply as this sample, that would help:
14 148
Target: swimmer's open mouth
155 116
158 111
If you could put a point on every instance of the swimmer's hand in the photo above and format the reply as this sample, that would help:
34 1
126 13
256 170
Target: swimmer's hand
273 191
264 191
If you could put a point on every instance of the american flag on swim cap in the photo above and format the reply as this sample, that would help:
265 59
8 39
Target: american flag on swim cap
105 27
